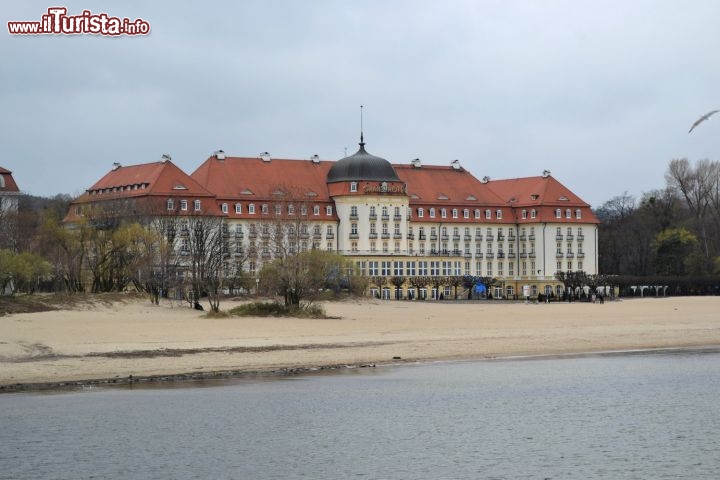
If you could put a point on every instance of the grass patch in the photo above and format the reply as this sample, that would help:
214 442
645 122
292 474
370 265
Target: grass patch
277 309
46 302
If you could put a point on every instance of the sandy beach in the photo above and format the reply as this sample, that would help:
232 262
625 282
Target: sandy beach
139 340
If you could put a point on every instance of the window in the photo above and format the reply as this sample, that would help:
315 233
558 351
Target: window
569 265
477 213
384 212
533 213
170 204
372 268
303 209
421 212
328 210
466 213
568 213
454 213
372 229
353 186
225 208
353 211
197 205
580 266
397 212
264 209
524 214
329 230
353 229
291 209
443 213
251 209
238 208
183 205
353 246
399 269
385 247
372 211
316 210
488 214
422 268
278 209
558 213
432 213
578 213
498 214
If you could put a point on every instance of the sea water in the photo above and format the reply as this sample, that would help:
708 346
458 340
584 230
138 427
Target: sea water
651 416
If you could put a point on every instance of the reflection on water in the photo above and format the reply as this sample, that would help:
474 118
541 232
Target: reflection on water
650 416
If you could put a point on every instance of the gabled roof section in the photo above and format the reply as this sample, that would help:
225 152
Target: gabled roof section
433 184
534 191
7 182
245 178
157 178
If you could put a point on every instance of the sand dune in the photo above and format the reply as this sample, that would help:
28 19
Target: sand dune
139 339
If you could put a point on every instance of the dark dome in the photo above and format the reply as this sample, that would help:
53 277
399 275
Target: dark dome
362 166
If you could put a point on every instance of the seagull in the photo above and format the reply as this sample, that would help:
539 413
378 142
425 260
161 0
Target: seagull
702 119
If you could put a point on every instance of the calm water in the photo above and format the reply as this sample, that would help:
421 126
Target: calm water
641 416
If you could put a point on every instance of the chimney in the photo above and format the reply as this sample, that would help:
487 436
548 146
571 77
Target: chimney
219 154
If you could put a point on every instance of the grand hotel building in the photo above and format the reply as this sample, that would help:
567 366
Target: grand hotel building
393 220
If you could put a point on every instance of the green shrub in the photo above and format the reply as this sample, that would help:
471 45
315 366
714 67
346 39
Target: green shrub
277 309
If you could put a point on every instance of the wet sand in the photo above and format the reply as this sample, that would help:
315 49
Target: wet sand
137 341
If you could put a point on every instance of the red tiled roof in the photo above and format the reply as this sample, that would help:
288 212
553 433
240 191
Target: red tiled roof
438 185
9 181
158 178
545 193
253 179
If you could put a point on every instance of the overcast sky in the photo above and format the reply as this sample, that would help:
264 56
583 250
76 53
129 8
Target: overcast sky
601 93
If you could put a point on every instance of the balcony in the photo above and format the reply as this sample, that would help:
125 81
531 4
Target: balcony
422 236
501 238
511 255
411 236
490 238
444 238
531 237
385 217
385 236
511 238
397 218
489 255
500 255
580 238
433 237
317 236
569 255
522 237
372 216
531 255
329 236
558 238
467 238
353 216
559 255
397 236
478 255
354 236
581 255
372 236
252 235
523 255
239 235
569 237
478 237
467 255
456 238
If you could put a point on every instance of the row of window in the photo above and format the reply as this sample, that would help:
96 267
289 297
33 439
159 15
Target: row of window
477 213
197 205
448 268
278 209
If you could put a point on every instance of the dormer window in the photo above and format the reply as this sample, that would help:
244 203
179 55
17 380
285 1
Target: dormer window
316 210
183 205
353 186
421 212
477 213
251 209
443 213
197 205
488 214
578 213
170 204
432 213
533 213
225 208
238 208
264 209
328 210
498 214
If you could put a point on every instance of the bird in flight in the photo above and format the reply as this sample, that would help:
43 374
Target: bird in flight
702 119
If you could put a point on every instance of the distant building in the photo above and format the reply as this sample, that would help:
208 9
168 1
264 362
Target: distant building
392 220
9 191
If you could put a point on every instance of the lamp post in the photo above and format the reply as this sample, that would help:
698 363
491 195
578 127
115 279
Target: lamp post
257 286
